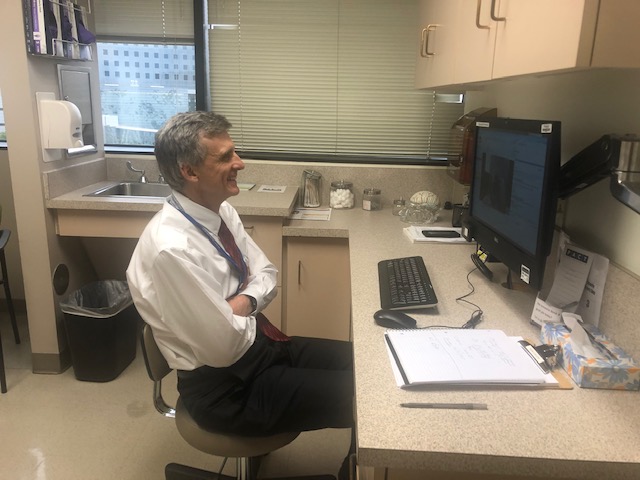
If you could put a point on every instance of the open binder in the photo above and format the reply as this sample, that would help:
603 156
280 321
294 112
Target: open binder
461 357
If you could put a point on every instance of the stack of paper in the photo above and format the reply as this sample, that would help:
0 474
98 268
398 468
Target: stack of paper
462 357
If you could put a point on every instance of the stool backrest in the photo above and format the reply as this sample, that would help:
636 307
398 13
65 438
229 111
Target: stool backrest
157 369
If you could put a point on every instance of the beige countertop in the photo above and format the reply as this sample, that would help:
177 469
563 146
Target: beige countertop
578 433
249 202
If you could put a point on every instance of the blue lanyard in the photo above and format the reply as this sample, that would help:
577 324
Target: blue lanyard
173 201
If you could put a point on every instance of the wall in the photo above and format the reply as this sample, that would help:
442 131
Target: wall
41 250
589 104
12 252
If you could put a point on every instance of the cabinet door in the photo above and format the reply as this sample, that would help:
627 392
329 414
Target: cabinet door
476 38
436 41
267 233
318 288
543 35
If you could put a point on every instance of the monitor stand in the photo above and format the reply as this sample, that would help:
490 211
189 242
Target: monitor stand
516 284
477 261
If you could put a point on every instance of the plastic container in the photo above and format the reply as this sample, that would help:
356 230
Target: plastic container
102 324
371 199
341 195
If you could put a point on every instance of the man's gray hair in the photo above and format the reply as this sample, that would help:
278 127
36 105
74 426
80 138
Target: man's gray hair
178 142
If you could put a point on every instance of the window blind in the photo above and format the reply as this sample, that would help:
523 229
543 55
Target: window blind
144 19
330 78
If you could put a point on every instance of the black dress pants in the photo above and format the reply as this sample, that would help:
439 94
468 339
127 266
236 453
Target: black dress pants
299 385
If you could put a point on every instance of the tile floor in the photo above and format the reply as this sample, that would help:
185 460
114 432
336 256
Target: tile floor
54 427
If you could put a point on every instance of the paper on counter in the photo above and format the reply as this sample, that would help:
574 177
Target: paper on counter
414 233
571 276
578 286
272 188
323 214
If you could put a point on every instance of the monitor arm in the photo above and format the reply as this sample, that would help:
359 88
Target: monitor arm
613 156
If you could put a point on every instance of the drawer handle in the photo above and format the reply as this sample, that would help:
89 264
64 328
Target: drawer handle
250 230
493 13
424 41
478 24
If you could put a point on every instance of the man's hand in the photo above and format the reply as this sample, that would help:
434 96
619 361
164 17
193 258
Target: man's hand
241 305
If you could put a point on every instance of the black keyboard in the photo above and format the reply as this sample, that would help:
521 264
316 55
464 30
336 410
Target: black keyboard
405 283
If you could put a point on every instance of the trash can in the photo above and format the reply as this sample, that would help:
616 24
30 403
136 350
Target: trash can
101 323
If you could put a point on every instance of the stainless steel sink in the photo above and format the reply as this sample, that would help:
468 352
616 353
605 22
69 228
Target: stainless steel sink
133 189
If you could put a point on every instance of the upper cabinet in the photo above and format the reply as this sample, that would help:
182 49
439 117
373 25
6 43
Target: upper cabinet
490 39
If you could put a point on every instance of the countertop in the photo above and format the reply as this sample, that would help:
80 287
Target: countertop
249 202
578 433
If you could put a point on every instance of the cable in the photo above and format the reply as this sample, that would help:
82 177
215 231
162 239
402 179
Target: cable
476 315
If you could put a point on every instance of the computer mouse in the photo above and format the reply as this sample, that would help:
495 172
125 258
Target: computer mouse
394 319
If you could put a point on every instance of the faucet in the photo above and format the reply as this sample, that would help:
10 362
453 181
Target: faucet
143 178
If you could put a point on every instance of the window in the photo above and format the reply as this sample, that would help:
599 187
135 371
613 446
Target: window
302 80
133 110
324 80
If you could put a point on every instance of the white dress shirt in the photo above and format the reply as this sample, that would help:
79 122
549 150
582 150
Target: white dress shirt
180 283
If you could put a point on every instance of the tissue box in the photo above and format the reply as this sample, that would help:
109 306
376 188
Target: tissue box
621 373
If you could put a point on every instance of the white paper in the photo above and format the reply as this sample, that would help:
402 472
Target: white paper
322 214
272 188
414 233
457 357
591 301
571 276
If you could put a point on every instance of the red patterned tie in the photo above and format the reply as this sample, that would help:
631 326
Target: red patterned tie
230 245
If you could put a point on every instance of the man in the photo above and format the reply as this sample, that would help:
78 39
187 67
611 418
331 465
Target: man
202 299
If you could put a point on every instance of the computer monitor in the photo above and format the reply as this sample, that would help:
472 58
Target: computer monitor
513 194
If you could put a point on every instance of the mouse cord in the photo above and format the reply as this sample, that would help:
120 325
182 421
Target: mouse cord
476 315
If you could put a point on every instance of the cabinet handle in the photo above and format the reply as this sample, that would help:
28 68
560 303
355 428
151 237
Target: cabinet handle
424 41
493 13
478 24
299 271
249 230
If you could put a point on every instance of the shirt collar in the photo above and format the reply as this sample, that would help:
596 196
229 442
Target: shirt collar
207 218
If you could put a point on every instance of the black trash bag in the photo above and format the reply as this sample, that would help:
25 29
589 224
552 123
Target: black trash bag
100 299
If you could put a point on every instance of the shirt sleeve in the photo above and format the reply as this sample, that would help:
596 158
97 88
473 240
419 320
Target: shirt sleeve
192 306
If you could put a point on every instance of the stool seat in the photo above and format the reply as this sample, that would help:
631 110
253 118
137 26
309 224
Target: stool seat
223 445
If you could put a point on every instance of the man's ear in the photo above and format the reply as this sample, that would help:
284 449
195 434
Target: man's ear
188 173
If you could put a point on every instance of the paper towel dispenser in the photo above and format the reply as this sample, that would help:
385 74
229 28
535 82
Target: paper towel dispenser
614 156
60 122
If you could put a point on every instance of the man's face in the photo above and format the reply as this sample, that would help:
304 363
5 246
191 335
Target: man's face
216 176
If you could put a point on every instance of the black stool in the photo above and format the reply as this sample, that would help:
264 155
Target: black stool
4 238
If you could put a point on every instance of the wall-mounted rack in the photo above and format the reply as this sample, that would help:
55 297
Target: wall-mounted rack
58 29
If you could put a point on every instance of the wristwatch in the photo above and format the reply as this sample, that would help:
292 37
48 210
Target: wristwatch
254 303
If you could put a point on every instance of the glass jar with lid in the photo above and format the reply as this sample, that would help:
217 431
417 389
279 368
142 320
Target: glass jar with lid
341 194
372 199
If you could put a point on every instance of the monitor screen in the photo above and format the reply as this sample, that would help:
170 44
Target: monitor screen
514 193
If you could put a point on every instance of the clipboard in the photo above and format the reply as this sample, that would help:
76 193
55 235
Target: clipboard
465 358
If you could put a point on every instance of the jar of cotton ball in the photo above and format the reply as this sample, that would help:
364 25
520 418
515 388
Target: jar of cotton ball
341 195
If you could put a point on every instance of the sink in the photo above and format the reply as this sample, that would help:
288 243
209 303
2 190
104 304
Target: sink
133 189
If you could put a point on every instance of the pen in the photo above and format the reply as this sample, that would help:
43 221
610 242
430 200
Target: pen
456 406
